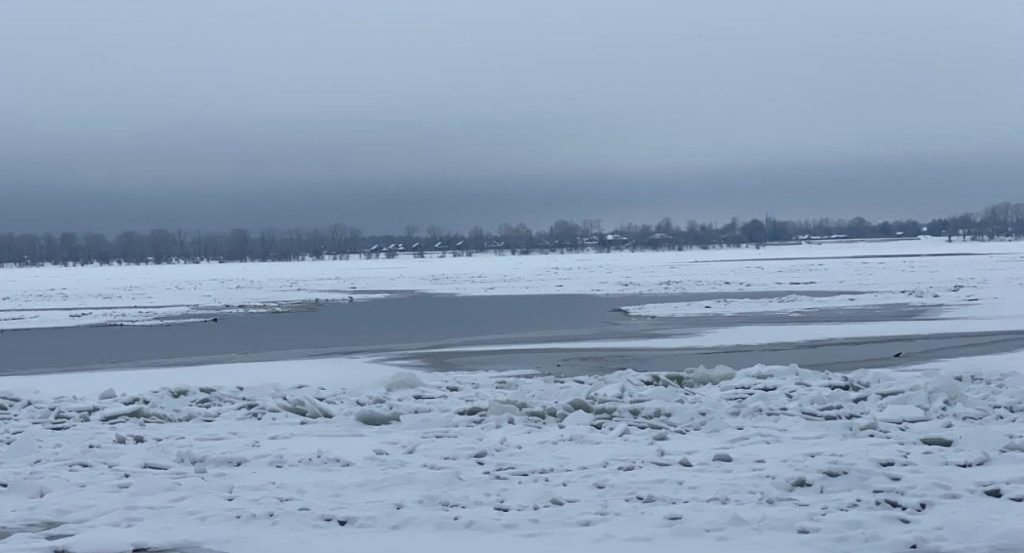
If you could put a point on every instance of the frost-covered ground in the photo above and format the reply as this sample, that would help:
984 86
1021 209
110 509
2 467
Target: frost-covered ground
365 457
984 285
349 454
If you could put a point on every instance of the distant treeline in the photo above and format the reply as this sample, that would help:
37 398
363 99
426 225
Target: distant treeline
339 241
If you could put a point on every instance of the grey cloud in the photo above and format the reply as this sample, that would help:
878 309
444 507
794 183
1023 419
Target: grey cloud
255 113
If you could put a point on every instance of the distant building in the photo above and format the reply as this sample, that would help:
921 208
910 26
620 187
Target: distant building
616 241
372 252
417 250
392 250
659 240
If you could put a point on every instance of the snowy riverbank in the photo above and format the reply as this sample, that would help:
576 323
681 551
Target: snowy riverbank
927 271
763 459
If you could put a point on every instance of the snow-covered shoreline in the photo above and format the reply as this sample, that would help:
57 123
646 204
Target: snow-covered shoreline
761 459
789 304
72 296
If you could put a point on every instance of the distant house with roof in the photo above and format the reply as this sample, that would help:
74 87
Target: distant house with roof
616 241
372 252
659 240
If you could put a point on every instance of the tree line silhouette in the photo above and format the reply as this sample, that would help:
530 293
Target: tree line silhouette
158 246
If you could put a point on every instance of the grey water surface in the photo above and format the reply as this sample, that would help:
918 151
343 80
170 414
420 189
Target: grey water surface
396 326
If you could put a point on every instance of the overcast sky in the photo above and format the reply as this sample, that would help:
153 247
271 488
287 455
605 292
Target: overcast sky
213 114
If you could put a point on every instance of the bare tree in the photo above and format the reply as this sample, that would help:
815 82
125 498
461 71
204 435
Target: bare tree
476 238
161 245
69 248
164 246
96 248
565 233
435 233
665 226
238 245
591 227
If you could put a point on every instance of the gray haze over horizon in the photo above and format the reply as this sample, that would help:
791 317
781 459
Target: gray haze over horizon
190 114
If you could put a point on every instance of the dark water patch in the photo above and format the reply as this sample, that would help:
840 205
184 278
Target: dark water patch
390 324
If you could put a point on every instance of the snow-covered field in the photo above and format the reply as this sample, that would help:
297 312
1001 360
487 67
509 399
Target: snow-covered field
984 285
350 454
342 455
